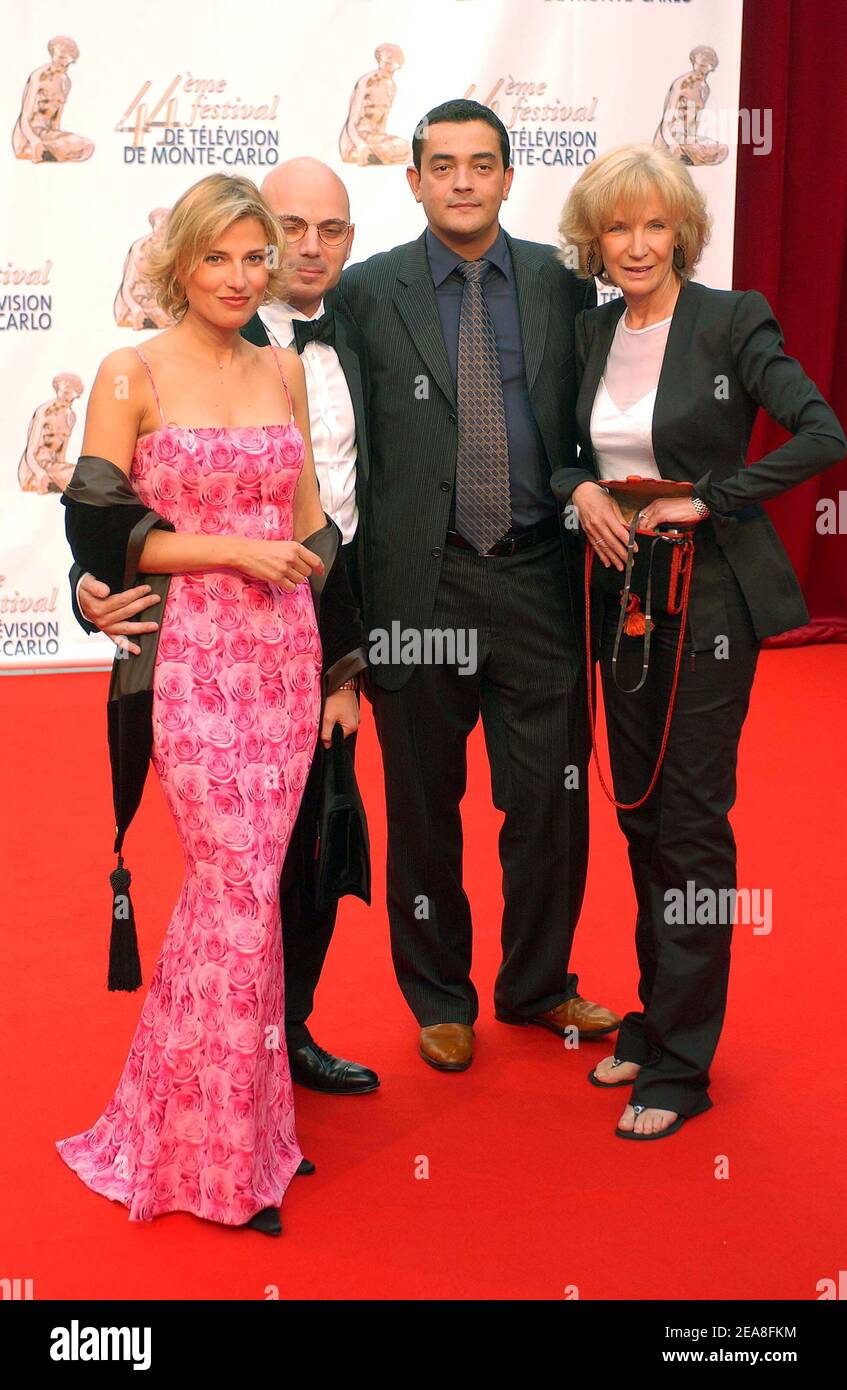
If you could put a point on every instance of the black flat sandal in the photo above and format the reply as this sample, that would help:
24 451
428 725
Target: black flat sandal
659 1134
610 1085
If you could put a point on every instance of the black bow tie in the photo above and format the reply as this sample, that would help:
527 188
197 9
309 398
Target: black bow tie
320 330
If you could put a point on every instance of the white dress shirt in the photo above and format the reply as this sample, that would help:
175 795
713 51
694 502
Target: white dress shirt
331 419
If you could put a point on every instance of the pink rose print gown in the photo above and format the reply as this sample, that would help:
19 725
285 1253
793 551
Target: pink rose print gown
202 1119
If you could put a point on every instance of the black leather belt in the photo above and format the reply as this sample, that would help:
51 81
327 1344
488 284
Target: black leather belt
533 535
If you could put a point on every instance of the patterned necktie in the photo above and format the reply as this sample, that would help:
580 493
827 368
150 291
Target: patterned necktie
483 504
320 330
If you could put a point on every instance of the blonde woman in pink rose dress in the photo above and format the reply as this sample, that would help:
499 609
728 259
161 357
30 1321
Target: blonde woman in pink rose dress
202 1119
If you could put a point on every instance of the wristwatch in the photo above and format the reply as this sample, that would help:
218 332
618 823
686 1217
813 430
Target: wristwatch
700 507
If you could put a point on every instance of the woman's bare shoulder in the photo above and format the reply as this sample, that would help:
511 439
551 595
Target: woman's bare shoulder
292 366
120 373
122 359
287 358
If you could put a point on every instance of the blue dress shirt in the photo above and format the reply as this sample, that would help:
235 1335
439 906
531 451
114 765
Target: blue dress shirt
529 471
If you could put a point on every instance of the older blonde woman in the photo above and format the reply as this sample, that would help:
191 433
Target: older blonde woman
672 374
197 471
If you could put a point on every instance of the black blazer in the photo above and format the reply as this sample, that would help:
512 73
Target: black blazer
412 417
724 358
348 345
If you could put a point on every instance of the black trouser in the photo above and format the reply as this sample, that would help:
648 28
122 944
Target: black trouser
306 933
681 835
530 690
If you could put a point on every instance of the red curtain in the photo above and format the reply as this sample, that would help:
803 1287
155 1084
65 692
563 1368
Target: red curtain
790 239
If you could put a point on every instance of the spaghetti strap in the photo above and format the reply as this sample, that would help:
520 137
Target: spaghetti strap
285 384
152 383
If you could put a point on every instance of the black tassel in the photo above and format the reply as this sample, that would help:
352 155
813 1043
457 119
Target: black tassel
124 960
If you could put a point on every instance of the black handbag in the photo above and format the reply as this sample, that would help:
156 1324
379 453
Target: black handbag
342 845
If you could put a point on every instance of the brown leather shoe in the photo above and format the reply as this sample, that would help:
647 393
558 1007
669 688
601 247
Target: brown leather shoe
447 1046
592 1020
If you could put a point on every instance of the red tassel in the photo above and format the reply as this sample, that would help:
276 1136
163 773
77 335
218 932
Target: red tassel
124 960
635 624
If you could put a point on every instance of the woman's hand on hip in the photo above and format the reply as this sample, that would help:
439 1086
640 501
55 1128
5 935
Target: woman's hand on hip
666 510
601 520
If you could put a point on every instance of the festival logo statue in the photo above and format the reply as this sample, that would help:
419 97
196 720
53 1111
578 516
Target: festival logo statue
42 467
38 133
135 302
363 139
679 130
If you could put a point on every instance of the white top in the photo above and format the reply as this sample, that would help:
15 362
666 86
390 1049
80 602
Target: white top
331 418
622 415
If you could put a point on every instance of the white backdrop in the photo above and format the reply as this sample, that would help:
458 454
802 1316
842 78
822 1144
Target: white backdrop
137 104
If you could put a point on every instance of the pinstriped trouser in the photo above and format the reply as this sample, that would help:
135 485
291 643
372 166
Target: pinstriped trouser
529 689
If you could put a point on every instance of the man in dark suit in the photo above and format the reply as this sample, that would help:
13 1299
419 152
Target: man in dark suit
313 205
469 338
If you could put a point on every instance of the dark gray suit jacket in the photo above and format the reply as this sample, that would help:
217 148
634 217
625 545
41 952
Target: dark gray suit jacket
724 358
412 418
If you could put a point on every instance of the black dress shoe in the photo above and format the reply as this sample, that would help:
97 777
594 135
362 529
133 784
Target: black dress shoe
316 1068
305 1169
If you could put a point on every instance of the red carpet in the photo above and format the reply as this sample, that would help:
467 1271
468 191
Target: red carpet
529 1193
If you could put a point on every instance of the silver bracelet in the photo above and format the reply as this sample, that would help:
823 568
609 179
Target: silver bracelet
700 507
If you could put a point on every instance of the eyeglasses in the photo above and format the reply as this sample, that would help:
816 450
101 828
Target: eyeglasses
332 232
